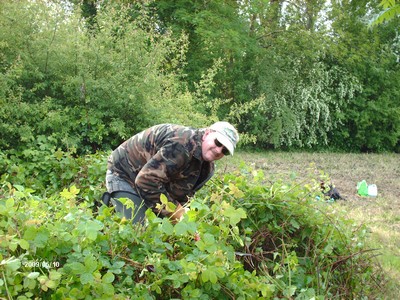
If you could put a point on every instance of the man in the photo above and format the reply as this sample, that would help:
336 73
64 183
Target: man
167 159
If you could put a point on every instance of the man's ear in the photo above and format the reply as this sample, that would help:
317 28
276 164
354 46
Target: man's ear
207 132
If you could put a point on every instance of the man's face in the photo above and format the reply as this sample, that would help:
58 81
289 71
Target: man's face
210 151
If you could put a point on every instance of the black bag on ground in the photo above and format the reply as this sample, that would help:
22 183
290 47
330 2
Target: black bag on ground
333 193
140 208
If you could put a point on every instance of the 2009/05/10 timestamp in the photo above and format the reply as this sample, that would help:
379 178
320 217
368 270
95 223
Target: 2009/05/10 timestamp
42 264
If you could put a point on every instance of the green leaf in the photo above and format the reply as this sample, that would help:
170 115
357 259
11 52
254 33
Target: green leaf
177 279
289 291
207 243
66 194
191 227
69 217
235 191
13 245
267 290
163 199
167 205
208 239
328 249
24 244
91 229
90 264
180 228
58 154
86 278
201 245
73 190
77 267
170 207
234 215
30 233
10 203
42 237
51 284
294 223
20 188
209 275
54 275
12 264
116 267
108 277
33 275
167 227
108 289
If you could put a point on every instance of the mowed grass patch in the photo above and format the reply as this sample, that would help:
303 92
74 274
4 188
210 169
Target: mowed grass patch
381 214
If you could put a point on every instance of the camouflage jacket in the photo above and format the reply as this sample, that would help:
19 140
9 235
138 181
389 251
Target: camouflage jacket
164 159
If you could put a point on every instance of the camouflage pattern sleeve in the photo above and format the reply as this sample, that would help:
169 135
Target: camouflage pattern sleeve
150 182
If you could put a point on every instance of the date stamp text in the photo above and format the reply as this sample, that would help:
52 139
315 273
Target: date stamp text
42 264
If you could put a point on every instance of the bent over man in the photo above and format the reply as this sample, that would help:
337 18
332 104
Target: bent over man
168 159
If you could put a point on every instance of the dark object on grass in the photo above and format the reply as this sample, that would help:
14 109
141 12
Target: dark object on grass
332 192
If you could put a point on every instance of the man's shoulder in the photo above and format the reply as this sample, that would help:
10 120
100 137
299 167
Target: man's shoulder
188 138
174 131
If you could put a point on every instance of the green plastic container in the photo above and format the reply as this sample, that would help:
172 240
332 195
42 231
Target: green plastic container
362 188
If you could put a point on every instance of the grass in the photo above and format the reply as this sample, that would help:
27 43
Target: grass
381 214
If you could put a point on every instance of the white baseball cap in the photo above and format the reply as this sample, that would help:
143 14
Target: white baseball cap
226 135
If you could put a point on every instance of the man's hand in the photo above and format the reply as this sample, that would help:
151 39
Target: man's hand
177 214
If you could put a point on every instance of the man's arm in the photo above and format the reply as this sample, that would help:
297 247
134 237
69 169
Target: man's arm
157 172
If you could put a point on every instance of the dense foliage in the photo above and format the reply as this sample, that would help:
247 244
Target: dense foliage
79 77
243 237
82 90
86 74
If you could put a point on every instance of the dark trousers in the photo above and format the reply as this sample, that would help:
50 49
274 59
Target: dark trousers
118 188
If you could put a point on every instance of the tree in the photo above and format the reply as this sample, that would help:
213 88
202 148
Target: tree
391 10
371 120
299 95
83 91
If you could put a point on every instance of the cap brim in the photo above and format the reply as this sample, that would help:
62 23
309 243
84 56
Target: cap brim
226 142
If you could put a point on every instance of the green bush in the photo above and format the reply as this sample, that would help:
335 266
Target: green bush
241 238
48 170
305 246
87 90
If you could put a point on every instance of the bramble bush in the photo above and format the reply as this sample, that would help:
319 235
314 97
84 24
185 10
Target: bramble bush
48 169
241 238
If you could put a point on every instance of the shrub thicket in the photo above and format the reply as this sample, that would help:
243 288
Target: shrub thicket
241 238
83 90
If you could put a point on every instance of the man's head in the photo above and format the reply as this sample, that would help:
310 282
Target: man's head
219 140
